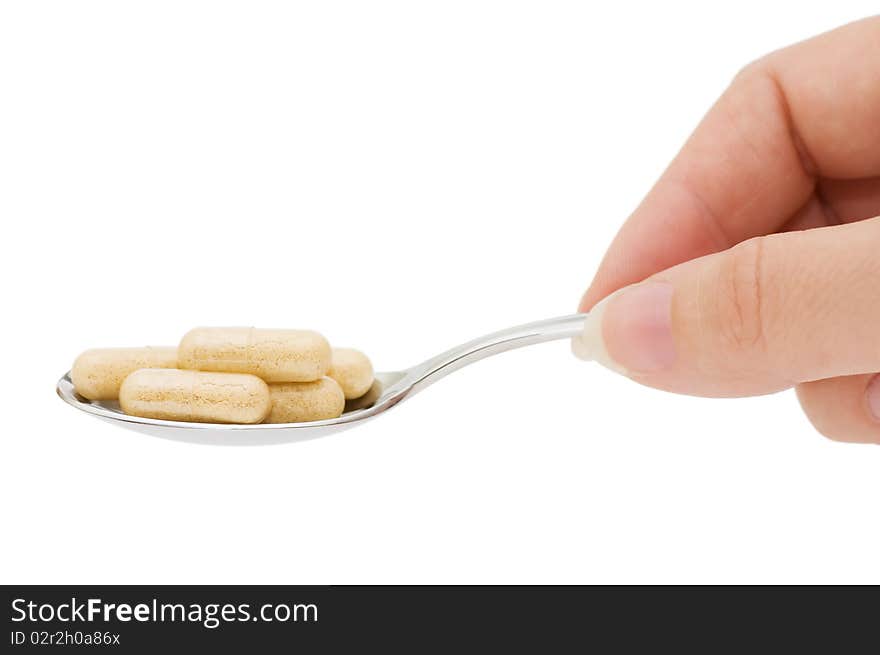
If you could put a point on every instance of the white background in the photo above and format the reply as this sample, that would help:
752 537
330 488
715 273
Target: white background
402 176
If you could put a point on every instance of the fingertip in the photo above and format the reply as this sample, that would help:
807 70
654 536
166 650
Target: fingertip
841 408
586 302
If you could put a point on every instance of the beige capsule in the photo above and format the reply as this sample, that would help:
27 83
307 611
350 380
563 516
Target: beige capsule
274 355
297 402
195 396
352 370
97 374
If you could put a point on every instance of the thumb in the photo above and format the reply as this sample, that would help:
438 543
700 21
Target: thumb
762 316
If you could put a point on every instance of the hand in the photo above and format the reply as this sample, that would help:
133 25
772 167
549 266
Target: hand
753 264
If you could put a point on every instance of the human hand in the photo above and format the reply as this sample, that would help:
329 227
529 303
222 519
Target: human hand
754 262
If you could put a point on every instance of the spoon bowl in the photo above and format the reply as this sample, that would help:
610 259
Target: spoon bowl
389 388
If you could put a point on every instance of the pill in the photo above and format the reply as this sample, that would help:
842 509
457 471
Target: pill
195 396
274 355
297 402
97 374
352 370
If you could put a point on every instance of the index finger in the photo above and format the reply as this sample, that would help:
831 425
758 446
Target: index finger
801 113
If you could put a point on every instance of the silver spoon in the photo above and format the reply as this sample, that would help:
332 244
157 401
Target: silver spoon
389 389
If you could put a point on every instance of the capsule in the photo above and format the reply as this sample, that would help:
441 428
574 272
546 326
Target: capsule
97 374
352 370
274 355
297 402
195 396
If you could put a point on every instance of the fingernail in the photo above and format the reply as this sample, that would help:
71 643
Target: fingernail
630 331
873 395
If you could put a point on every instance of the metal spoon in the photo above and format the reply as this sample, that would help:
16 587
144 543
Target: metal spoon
389 389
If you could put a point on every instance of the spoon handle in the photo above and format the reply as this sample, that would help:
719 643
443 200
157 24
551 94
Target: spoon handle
428 372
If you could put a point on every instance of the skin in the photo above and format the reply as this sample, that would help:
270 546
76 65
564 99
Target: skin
767 227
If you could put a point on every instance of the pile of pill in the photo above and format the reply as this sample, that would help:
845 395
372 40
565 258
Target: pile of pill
228 375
